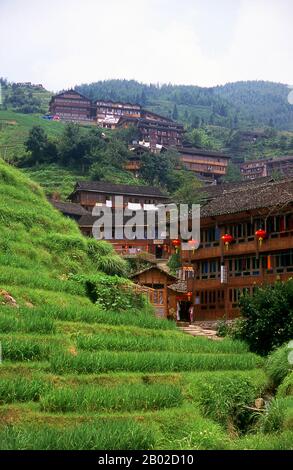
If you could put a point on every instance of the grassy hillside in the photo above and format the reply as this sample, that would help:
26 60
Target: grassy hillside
14 130
79 375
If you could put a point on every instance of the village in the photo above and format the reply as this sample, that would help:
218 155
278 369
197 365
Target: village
246 228
146 233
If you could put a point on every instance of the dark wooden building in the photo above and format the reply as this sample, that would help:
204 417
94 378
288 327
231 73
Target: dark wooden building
90 194
156 130
72 106
246 241
109 112
206 164
267 167
157 278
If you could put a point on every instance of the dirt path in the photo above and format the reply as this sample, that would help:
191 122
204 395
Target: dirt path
200 329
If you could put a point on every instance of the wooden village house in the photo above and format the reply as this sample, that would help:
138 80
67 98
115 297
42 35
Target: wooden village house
157 278
267 167
72 106
246 241
91 194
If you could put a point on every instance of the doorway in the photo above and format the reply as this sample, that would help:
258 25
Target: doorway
159 251
184 310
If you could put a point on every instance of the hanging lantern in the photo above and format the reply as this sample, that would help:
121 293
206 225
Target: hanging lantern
192 244
189 296
176 243
260 235
227 239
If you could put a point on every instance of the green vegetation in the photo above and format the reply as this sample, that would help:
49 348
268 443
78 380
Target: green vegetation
231 105
94 156
22 389
24 99
125 341
80 372
267 317
278 365
56 155
122 398
113 435
86 362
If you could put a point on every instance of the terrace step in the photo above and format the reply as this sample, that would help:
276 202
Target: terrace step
197 330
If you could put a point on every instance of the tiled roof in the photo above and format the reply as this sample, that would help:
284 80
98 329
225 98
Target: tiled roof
250 197
216 190
179 286
163 269
69 208
201 152
87 220
110 188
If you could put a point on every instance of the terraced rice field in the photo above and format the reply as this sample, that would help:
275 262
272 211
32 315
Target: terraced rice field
76 376
101 385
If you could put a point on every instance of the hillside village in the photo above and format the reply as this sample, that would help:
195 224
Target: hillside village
141 320
146 233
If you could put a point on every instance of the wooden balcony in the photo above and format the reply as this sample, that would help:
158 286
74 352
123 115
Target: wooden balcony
264 276
242 246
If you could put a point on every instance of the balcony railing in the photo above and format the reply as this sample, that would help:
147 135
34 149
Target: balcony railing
274 241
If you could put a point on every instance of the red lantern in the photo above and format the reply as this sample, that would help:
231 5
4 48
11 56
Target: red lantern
260 235
193 244
176 243
227 239
189 295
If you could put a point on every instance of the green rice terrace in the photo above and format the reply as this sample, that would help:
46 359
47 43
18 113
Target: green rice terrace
86 365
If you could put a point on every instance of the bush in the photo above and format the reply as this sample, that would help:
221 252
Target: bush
278 365
105 259
286 387
223 328
272 420
112 292
226 400
268 317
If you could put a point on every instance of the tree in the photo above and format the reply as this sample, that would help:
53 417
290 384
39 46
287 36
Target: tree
159 169
143 98
195 122
267 317
283 143
69 145
188 188
115 153
40 148
175 112
200 138
233 173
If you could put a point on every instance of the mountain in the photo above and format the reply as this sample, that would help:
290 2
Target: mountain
240 104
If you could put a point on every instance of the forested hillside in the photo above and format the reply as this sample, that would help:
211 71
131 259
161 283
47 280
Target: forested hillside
240 119
240 104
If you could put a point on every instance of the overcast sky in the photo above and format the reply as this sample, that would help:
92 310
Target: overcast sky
61 43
